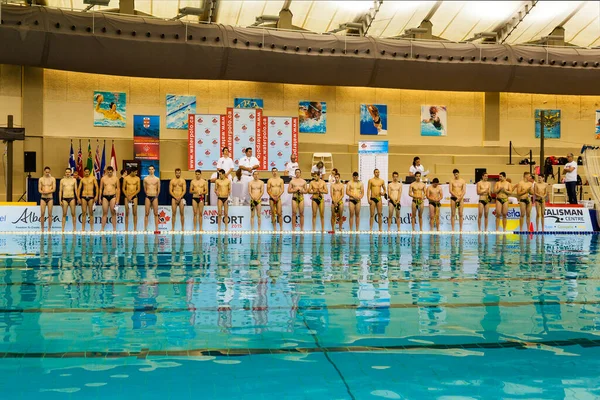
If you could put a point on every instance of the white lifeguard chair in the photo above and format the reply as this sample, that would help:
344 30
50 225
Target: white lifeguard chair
558 190
327 159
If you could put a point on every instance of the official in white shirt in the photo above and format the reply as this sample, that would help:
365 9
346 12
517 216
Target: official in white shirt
292 166
248 164
417 167
571 179
318 168
226 163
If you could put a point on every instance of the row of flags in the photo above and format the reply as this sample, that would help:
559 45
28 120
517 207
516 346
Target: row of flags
96 164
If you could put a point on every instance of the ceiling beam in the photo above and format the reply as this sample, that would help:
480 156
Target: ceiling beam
506 28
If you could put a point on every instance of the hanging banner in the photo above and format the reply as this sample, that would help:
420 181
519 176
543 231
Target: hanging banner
146 142
371 156
243 125
283 138
206 133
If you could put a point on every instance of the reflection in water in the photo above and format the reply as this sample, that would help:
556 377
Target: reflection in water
197 291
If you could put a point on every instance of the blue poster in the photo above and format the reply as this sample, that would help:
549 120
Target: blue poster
373 119
551 124
243 102
312 116
178 109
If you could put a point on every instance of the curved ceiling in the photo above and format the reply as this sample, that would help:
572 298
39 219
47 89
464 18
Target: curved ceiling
452 20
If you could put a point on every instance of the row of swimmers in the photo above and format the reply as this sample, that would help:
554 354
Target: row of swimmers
88 193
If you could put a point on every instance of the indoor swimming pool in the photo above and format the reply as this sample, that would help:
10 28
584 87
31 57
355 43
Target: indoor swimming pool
260 316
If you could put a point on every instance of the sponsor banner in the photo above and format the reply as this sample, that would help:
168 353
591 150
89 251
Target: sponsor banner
244 126
207 135
27 218
281 141
191 142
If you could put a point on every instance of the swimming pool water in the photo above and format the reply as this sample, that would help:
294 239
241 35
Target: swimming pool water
299 317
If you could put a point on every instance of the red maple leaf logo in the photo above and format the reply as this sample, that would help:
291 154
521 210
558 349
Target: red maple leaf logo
207 131
214 120
200 163
286 123
214 163
207 152
273 143
237 139
237 116
244 127
200 120
215 141
286 144
279 133
163 217
279 153
251 140
200 141
364 146
272 122
272 164
251 116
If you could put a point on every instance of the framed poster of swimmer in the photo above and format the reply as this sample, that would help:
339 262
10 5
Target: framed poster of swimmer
434 121
110 109
597 123
312 116
373 119
551 124
245 102
178 109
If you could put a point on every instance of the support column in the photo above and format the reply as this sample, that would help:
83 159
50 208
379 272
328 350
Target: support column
491 119
127 7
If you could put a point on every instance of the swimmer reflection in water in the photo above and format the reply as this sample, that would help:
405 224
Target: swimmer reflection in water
111 113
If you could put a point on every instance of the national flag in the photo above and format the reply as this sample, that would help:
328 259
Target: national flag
72 164
90 163
80 161
113 157
103 160
97 161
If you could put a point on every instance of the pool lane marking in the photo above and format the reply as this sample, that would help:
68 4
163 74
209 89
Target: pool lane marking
241 352
152 310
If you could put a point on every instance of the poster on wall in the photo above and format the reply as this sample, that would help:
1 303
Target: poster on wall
372 155
244 102
282 134
373 119
434 121
312 116
597 124
178 109
110 109
245 127
551 124
206 137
